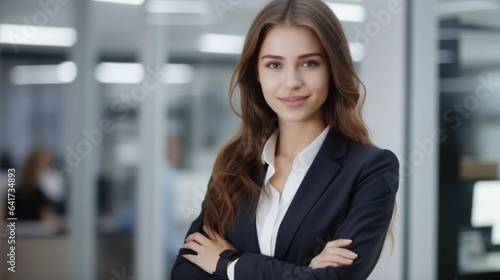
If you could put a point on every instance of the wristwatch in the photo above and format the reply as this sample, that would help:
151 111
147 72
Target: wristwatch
224 258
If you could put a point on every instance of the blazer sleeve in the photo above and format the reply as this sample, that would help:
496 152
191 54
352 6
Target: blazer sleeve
184 269
366 223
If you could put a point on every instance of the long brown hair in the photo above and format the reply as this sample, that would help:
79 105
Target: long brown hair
36 163
231 182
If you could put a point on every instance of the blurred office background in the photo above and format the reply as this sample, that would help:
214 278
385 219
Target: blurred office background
112 112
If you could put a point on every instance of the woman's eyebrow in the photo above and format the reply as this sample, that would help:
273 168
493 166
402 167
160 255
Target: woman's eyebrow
271 56
309 55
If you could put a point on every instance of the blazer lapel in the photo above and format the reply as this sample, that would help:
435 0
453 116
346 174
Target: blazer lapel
323 170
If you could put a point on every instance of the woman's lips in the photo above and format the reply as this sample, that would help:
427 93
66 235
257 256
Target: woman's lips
293 101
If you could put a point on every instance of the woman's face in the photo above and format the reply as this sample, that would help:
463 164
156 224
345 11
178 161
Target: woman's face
293 73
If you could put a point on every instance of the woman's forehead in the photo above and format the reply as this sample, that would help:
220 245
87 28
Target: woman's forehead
290 41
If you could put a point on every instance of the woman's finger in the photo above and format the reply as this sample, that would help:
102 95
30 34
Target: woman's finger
313 262
193 245
342 252
197 237
337 259
324 264
348 254
331 259
339 243
320 259
342 260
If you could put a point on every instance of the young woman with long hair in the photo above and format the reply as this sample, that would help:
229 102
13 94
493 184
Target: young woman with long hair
300 192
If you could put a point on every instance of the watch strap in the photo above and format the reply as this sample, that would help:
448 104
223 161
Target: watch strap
224 258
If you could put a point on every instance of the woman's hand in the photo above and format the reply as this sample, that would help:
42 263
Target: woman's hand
334 255
208 249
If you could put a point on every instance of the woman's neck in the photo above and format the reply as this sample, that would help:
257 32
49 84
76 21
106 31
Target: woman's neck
293 137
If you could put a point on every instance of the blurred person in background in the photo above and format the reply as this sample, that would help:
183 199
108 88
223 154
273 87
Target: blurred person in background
32 203
125 218
300 191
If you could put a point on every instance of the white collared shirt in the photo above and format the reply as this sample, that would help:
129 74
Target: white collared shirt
272 207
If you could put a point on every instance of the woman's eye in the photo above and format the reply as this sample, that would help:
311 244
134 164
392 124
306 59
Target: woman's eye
310 64
273 65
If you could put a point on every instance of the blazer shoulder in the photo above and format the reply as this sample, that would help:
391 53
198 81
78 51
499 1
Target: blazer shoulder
367 153
376 165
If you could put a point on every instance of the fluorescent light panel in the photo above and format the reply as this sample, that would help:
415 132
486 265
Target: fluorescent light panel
467 6
119 73
44 74
37 35
186 7
133 73
106 72
126 2
220 43
178 73
348 12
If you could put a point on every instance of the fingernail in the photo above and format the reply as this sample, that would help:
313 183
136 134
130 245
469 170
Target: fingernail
353 254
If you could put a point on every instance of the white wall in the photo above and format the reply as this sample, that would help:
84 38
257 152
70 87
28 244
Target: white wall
401 112
383 73
424 120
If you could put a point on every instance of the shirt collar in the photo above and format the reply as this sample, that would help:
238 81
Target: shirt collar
304 158
269 149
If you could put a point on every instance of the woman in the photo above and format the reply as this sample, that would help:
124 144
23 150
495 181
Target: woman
31 202
300 192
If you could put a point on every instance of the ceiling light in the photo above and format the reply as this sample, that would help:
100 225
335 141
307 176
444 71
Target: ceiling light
220 43
119 73
467 6
133 73
178 73
126 2
44 74
37 35
188 7
66 72
348 12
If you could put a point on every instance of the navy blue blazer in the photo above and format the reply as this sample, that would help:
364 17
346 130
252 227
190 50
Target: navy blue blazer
348 192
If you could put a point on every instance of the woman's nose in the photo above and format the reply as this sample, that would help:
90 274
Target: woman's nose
293 79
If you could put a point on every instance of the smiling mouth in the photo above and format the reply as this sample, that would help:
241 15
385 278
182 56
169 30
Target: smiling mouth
293 99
